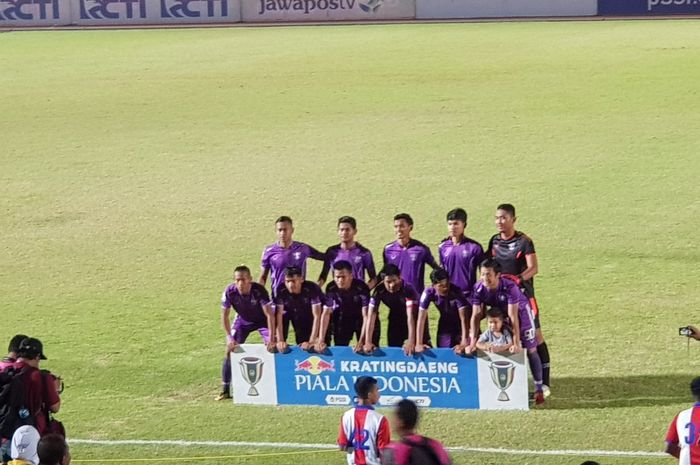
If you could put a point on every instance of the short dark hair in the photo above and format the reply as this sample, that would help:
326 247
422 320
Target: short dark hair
495 312
349 220
284 219
457 214
389 270
491 263
506 207
590 462
342 265
407 412
241 269
438 274
15 342
292 271
51 449
364 385
404 216
695 387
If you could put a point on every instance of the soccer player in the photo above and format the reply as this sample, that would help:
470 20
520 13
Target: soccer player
497 338
496 291
254 313
413 448
299 302
460 255
402 301
408 254
515 253
349 250
453 325
363 432
284 253
347 302
683 437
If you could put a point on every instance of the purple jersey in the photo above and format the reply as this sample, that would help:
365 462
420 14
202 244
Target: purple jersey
507 293
447 305
299 307
396 301
461 262
411 260
359 257
249 307
347 301
276 258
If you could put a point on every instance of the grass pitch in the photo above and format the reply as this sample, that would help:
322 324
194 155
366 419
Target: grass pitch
139 167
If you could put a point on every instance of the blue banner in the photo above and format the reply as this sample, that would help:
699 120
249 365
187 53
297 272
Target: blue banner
648 7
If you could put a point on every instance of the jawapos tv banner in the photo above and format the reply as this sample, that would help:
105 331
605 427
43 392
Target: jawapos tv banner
648 7
437 378
326 10
125 12
34 13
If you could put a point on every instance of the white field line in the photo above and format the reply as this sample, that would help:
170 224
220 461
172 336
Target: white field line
293 445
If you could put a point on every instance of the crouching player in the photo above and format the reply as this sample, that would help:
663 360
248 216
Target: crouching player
363 432
254 313
298 302
498 292
453 325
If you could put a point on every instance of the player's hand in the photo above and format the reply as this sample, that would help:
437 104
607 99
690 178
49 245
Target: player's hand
408 348
320 347
419 348
368 348
305 346
282 347
458 349
515 349
271 347
232 345
470 349
695 333
358 347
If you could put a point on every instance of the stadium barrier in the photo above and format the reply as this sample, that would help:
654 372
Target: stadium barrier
648 7
463 9
437 379
326 10
34 13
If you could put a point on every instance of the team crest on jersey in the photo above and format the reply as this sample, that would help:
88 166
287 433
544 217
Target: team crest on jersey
464 253
297 255
358 259
511 246
413 257
501 297
314 365
392 256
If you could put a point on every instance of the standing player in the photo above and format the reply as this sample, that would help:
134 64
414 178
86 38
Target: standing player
683 437
495 291
254 313
347 301
408 254
453 325
299 303
359 257
363 432
515 253
284 253
402 301
460 255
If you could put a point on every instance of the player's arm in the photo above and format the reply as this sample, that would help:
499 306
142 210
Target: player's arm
383 434
429 259
370 269
279 328
264 273
474 325
323 329
532 269
324 271
226 323
464 324
271 325
410 345
514 316
673 449
316 310
672 439
365 342
316 254
420 328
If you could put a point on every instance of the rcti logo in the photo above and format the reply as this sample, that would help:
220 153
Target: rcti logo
371 6
314 365
112 9
28 10
193 8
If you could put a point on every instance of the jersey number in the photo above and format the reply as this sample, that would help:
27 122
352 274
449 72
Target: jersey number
692 438
359 439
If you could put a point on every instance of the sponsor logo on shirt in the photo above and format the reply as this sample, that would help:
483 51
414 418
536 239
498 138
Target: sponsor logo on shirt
314 365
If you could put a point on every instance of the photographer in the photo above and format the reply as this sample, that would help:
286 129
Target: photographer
692 332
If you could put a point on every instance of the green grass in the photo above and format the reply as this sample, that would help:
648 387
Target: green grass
139 167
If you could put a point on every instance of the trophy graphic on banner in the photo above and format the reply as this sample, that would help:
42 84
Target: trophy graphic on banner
252 370
502 373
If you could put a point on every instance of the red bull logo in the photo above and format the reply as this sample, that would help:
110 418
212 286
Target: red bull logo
314 365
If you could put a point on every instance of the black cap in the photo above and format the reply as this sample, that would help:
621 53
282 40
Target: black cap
30 348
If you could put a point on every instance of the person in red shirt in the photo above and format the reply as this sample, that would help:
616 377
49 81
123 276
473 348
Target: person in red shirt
11 358
683 437
412 448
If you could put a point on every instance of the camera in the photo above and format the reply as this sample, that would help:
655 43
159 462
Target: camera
685 331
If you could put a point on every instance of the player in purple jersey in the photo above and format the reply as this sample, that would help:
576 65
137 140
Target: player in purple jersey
285 253
254 313
402 301
515 253
351 251
453 325
408 254
299 302
495 291
460 255
346 310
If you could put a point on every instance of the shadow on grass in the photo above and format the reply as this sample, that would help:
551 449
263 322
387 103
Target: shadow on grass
626 391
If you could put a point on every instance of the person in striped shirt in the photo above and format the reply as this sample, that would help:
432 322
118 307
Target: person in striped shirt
683 437
364 432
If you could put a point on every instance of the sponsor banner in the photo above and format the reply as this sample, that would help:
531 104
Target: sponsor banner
648 7
326 10
34 13
455 9
123 12
437 378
